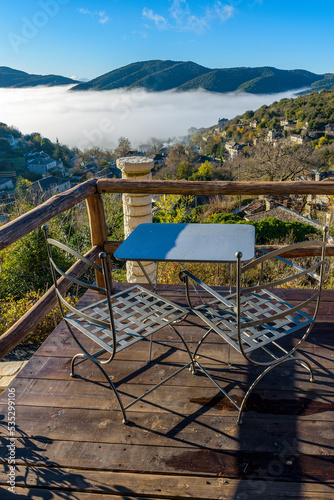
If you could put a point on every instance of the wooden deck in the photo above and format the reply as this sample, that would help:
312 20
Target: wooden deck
183 441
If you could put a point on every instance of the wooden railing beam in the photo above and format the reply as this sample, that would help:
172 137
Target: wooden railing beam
213 187
23 225
38 311
111 246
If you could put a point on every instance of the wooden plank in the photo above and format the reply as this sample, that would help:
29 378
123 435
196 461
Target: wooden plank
160 486
16 229
171 430
291 376
43 306
172 460
306 405
226 494
51 494
60 343
210 188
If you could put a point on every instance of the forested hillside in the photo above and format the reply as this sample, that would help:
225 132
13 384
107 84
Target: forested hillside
316 109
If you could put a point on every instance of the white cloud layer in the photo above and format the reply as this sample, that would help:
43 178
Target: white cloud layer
87 119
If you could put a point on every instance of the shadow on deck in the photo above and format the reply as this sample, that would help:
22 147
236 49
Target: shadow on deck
183 440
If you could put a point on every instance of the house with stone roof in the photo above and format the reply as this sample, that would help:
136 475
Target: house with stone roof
6 183
48 186
283 214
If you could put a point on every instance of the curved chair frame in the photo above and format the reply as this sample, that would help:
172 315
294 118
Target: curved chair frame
249 320
108 324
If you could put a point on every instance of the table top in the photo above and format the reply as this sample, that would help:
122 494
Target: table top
188 243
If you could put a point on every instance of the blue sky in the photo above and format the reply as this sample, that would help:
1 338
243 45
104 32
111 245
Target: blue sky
85 38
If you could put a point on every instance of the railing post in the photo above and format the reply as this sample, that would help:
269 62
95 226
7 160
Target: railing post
137 209
98 228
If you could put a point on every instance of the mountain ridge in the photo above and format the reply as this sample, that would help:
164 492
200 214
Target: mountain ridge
13 78
159 75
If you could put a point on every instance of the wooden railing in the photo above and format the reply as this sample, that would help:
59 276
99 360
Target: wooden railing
91 191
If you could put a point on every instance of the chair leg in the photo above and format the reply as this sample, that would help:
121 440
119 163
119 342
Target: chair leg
150 350
201 341
79 355
306 365
229 355
252 386
85 354
192 364
111 385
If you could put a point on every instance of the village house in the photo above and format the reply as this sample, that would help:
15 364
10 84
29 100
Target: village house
284 122
233 149
41 166
288 125
299 139
254 207
315 135
221 124
281 213
48 186
158 159
273 134
329 129
41 163
6 183
13 142
320 201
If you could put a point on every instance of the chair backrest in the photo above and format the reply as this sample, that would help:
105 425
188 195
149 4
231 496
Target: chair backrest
56 270
259 308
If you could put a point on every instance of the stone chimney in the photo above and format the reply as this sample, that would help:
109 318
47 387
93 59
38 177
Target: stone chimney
270 204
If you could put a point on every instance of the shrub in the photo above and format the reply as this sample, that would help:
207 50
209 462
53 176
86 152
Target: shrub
271 229
11 311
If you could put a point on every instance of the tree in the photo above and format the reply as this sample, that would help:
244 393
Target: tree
180 154
281 163
58 152
22 187
123 147
249 114
5 146
322 142
184 171
173 208
47 146
156 144
204 172
25 268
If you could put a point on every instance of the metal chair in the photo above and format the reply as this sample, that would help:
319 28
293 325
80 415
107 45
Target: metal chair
117 321
254 320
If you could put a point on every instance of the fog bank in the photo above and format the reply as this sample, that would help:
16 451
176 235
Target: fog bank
87 119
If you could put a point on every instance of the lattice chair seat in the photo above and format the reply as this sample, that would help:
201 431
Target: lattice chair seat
254 320
259 324
115 322
137 313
